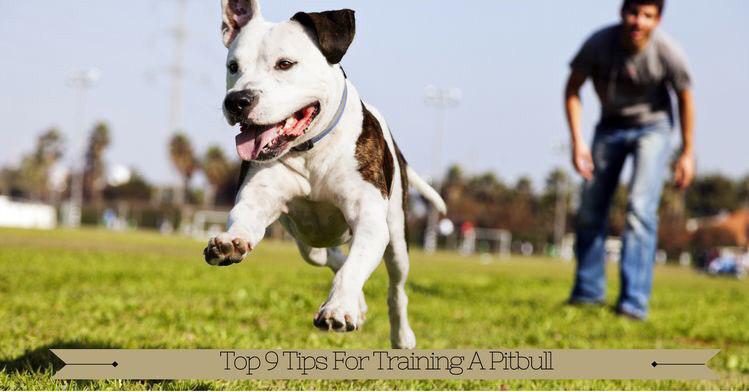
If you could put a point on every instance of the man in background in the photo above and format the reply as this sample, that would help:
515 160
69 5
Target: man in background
634 67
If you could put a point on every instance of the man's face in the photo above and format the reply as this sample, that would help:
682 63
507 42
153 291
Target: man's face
639 21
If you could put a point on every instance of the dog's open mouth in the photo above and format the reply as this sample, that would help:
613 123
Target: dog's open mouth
263 142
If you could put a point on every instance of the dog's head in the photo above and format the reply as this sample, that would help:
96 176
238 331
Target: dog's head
281 78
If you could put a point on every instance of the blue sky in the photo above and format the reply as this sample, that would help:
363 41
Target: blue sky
508 57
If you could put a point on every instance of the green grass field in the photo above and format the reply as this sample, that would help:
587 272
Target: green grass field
96 289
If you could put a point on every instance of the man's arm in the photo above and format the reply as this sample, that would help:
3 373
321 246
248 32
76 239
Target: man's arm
684 168
581 157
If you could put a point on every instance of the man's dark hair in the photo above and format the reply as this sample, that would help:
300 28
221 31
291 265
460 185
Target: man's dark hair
657 3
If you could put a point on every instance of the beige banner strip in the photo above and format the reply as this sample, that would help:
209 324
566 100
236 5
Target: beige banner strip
230 364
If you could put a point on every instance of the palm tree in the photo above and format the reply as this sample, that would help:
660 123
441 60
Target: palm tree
183 158
93 174
216 170
35 167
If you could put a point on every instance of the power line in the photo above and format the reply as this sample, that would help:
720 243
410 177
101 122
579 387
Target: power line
177 70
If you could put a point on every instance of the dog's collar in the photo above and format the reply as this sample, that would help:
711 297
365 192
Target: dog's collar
306 146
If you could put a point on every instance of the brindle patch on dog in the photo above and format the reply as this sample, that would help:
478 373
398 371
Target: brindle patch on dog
402 164
372 153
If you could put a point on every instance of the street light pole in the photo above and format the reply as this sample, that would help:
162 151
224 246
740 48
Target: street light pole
560 212
562 192
177 71
81 81
440 99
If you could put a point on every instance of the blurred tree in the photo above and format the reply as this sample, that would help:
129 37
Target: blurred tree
183 158
94 171
742 190
548 201
673 236
217 171
519 212
556 178
486 188
452 191
673 202
709 195
454 175
10 182
524 186
452 186
554 212
482 201
487 202
136 189
34 171
227 192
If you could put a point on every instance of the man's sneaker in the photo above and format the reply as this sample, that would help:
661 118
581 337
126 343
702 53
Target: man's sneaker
632 316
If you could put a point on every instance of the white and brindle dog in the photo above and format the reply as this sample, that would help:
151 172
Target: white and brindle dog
316 158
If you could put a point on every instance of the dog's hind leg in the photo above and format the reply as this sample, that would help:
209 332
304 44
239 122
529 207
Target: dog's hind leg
320 257
397 263
332 258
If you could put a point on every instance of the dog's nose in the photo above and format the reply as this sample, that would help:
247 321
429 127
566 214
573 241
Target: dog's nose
238 101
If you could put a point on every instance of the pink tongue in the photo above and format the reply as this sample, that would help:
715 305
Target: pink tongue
250 144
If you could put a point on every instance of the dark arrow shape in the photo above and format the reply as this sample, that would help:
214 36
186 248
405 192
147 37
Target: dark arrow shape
654 364
113 364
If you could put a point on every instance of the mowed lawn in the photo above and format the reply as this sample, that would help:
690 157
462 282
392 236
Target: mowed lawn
98 289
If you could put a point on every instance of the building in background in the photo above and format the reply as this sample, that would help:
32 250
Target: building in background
26 215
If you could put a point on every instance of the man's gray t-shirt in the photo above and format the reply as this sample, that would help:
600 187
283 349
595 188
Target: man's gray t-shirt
633 87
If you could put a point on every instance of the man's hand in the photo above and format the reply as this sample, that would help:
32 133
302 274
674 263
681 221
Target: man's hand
582 160
684 167
684 170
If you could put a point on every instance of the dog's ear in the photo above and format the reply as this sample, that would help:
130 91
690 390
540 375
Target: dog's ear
334 31
236 14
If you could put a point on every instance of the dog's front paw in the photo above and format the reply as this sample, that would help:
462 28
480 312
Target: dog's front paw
339 314
224 252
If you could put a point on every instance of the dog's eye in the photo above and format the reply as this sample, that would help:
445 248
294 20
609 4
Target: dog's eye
284 65
233 67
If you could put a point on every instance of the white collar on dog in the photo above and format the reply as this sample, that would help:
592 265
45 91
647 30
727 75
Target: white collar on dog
306 146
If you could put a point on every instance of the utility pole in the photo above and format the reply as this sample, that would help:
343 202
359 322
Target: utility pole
177 72
561 188
440 99
81 81
560 211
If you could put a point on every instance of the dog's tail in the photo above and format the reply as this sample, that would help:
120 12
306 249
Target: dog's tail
427 191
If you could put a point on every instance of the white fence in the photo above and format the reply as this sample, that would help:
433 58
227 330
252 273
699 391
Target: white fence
206 224
26 215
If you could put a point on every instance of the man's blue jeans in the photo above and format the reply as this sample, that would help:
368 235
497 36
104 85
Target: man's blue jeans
651 148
